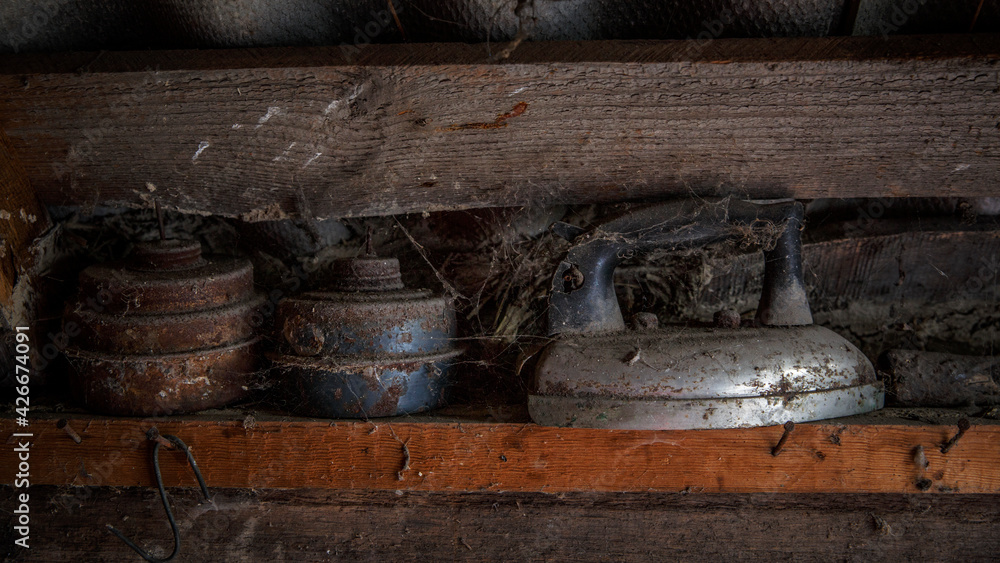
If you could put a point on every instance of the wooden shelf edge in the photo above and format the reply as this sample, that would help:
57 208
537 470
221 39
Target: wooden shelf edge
465 457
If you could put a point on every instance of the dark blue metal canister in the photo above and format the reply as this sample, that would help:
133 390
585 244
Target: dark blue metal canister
367 346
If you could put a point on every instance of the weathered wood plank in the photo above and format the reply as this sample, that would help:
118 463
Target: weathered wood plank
317 525
302 453
922 267
930 289
929 379
262 134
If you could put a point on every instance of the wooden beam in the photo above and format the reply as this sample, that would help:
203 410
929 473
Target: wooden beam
387 129
68 524
476 456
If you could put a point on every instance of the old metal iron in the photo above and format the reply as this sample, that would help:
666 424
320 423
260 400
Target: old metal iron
598 374
167 331
365 346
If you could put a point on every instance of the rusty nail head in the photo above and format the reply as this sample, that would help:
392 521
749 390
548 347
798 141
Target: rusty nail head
789 426
727 318
153 435
64 425
573 278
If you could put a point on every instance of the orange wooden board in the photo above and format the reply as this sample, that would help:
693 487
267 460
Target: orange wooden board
510 457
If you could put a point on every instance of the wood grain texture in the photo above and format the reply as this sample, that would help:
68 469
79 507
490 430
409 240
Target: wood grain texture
304 453
318 525
919 267
324 132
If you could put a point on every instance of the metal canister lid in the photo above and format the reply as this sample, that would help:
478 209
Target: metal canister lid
168 277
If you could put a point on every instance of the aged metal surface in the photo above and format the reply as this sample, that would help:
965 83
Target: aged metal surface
733 412
165 384
702 378
367 347
166 255
597 374
165 332
391 322
366 273
153 334
783 300
690 363
371 388
583 300
931 379
121 290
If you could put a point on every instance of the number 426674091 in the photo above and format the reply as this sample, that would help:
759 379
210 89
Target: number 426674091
22 371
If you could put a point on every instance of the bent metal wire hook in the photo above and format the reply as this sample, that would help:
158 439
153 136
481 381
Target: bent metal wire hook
155 436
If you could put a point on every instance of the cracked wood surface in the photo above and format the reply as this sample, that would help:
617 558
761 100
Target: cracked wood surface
270 133
322 525
277 452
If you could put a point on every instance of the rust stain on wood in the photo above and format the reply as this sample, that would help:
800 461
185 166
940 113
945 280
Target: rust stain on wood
500 121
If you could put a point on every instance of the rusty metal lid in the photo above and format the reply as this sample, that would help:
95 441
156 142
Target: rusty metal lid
366 272
118 289
394 323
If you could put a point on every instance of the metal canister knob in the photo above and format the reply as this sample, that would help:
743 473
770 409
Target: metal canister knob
366 346
165 332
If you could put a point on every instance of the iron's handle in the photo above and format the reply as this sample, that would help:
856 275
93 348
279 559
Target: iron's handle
583 295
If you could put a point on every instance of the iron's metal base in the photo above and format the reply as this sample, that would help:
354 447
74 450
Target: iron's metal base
689 414
680 377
